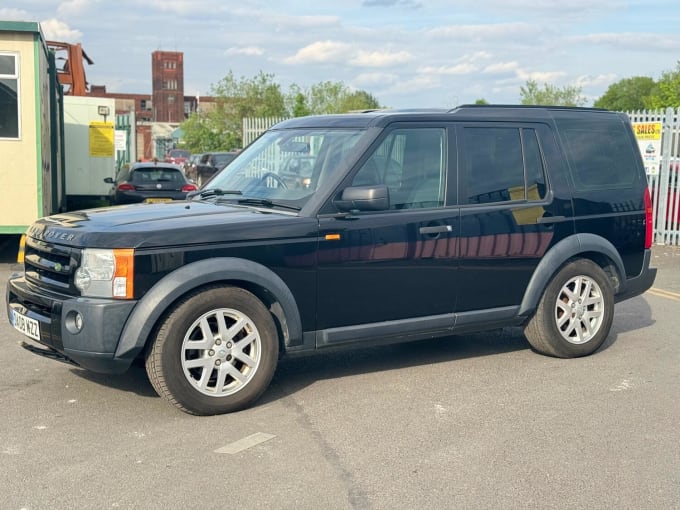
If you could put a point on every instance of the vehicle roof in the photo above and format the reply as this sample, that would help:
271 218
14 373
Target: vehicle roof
151 164
379 118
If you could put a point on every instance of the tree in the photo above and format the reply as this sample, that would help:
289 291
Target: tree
666 93
220 127
481 100
627 94
336 97
550 95
357 101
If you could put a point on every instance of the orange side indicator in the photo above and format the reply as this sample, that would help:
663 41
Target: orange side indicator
332 237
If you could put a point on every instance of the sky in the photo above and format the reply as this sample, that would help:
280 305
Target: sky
406 53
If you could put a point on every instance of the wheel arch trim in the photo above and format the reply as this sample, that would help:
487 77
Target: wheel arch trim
173 286
556 256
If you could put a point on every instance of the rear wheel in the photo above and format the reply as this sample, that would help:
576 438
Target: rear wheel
215 353
575 313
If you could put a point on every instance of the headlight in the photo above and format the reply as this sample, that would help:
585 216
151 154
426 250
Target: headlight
106 273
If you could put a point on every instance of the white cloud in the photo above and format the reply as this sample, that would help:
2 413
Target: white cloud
370 79
501 67
632 41
462 68
489 32
249 51
12 14
176 6
600 80
380 58
320 52
72 7
540 76
56 30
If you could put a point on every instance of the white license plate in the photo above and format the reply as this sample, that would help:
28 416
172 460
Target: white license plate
157 200
26 325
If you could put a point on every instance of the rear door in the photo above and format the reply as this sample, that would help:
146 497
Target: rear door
510 214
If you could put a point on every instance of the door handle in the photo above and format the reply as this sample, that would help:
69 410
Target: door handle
436 230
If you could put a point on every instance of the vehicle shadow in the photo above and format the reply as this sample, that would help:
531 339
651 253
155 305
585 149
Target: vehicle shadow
134 380
295 373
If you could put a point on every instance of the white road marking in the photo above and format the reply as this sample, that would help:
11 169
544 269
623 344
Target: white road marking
245 443
622 386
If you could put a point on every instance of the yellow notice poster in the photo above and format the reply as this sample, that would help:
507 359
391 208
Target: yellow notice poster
101 139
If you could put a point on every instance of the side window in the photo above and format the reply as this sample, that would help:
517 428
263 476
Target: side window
494 165
533 164
9 98
503 164
412 163
600 155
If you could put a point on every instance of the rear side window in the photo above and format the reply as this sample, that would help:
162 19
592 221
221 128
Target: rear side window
502 164
599 153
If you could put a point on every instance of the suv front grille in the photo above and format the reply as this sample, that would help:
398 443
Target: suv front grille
51 266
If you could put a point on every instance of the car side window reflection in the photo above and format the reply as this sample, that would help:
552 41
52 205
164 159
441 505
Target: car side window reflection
412 164
502 165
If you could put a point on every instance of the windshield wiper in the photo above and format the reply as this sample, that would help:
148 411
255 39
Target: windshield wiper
213 192
264 202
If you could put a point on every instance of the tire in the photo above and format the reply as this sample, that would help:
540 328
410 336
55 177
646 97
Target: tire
199 181
215 352
575 313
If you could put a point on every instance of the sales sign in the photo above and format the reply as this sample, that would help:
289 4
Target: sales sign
648 135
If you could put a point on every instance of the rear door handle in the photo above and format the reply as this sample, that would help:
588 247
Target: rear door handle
436 230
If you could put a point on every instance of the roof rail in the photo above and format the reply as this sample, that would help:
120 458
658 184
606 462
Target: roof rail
528 106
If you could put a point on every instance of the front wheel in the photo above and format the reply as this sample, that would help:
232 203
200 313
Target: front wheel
575 313
215 352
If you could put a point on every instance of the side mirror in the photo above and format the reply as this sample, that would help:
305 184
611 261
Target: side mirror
364 198
108 180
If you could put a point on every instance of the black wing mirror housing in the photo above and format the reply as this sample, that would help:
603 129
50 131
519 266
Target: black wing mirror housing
364 198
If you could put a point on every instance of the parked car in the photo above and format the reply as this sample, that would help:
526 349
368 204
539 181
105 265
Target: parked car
190 165
177 157
209 164
414 225
150 183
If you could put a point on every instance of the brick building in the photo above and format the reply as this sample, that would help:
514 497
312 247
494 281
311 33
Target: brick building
167 78
163 109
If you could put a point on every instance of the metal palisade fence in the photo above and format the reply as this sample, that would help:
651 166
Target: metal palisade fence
663 174
255 126
661 149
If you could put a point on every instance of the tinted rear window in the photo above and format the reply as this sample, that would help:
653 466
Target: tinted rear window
143 175
600 153
223 159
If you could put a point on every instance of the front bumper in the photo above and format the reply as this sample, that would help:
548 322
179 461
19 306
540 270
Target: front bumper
92 347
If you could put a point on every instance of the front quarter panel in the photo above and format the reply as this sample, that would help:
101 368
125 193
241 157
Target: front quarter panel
168 290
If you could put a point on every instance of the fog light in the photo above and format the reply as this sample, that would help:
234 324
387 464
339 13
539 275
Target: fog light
74 322
78 321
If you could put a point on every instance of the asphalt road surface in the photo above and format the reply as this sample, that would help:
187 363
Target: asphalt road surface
477 421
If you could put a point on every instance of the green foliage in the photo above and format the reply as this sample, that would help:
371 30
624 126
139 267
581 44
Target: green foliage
481 100
550 95
666 93
627 94
358 101
219 127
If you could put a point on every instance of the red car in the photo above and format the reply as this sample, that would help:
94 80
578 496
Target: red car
177 157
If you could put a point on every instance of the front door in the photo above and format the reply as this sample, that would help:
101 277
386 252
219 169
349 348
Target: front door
398 266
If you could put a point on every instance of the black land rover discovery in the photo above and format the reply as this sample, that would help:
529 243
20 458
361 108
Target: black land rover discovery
409 225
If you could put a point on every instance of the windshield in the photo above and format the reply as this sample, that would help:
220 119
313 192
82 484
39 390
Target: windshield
285 166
